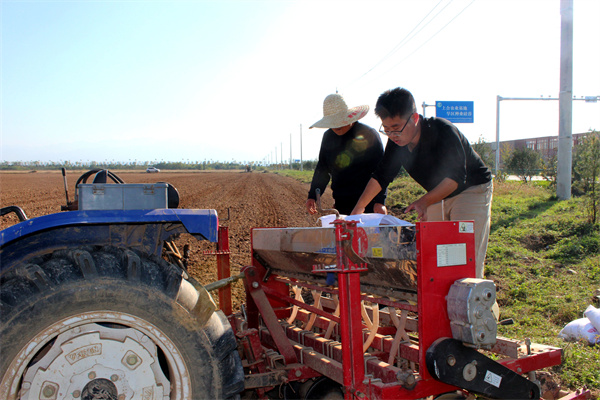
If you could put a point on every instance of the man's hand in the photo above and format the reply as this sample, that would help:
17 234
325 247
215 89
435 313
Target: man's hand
379 208
357 210
420 206
438 193
365 198
311 206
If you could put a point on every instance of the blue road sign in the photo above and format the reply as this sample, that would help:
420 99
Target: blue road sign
455 111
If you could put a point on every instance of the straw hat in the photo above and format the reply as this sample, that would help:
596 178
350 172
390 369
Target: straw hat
337 114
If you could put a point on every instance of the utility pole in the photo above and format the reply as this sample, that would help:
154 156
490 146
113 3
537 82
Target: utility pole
565 102
281 153
497 163
301 167
290 150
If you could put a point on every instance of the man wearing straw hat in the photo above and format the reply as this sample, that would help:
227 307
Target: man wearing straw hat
439 157
350 152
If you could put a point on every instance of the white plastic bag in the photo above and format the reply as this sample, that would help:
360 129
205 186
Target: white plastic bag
581 328
590 333
593 314
571 331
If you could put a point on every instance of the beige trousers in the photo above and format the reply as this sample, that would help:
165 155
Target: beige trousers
473 204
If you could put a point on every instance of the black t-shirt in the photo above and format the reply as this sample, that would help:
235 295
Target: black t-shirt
442 152
348 160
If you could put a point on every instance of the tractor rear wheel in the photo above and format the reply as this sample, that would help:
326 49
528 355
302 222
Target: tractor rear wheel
110 322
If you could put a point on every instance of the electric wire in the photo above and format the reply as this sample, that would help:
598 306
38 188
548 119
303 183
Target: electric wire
430 38
408 38
399 45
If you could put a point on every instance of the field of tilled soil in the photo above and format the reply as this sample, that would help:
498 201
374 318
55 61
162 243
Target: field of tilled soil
252 199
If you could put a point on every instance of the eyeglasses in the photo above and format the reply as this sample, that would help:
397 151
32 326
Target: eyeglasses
394 133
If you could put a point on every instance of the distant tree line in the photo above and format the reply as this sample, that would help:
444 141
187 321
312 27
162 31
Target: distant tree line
142 165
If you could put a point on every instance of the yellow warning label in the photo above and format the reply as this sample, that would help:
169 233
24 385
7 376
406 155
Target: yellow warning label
377 252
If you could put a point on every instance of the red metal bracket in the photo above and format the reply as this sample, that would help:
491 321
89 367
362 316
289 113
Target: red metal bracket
270 319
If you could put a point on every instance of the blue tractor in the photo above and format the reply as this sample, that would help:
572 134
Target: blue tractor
91 308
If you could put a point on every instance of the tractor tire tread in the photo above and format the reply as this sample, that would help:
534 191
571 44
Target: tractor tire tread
23 287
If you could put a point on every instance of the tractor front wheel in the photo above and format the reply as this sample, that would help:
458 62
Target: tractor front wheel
109 322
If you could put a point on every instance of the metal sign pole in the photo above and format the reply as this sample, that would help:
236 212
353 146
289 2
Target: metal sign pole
425 106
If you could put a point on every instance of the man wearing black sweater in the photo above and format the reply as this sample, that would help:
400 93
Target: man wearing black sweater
438 157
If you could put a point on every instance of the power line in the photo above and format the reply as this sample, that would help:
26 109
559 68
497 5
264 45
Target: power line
427 41
399 45
408 37
430 21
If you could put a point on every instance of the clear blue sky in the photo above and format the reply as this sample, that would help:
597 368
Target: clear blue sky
235 80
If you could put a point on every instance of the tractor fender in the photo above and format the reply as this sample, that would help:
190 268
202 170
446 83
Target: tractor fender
143 230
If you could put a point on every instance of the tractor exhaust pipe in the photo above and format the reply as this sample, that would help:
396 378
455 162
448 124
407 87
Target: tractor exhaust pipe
64 174
71 206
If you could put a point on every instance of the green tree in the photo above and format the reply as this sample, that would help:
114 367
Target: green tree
309 165
586 169
485 151
549 170
524 163
505 154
